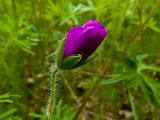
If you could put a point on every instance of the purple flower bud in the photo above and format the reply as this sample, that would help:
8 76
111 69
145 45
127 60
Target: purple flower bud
84 40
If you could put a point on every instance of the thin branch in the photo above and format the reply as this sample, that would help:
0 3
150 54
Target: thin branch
72 92
143 25
85 100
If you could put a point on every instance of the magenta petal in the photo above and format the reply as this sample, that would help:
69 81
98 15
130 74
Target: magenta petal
90 40
72 41
93 23
84 40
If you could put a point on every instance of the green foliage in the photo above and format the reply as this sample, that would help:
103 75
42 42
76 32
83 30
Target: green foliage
127 62
17 32
62 112
5 98
71 14
8 114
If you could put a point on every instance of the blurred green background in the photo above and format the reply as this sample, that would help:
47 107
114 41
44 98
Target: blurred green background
127 64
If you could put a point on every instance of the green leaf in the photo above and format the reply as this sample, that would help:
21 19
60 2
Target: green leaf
142 66
149 95
113 80
7 95
154 25
35 115
140 58
149 67
7 113
3 101
152 88
150 82
119 78
6 98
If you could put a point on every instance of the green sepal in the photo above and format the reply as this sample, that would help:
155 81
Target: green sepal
70 62
60 53
92 57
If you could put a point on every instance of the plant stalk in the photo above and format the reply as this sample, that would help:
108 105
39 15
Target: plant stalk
132 105
52 100
92 90
143 25
86 98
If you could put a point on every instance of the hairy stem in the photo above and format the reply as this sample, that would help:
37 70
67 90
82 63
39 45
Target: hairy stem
52 97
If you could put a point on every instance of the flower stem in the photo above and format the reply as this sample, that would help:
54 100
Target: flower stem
52 97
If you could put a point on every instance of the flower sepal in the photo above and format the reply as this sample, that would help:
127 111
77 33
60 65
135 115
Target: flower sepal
71 62
88 60
60 50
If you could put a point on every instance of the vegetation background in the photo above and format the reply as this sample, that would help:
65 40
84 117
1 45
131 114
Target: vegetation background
127 65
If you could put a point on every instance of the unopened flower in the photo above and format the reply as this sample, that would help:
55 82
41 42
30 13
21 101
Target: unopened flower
79 44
